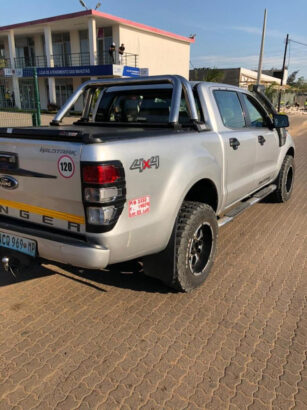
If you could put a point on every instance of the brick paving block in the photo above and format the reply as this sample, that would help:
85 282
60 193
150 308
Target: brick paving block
16 396
68 404
29 402
264 395
174 402
258 405
280 403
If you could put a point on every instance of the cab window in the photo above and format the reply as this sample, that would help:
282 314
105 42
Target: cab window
230 108
256 114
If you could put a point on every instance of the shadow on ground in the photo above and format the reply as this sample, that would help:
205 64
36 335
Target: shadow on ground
128 275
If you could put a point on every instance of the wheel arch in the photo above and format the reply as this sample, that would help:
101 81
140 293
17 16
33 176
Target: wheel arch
290 152
204 191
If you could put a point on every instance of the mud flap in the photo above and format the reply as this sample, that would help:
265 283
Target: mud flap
161 265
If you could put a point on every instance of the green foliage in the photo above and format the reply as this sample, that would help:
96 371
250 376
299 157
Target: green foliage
271 91
292 77
214 75
207 74
297 84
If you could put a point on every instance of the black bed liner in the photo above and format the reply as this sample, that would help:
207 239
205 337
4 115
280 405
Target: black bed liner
88 134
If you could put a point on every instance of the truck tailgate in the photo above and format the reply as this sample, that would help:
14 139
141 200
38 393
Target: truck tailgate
40 182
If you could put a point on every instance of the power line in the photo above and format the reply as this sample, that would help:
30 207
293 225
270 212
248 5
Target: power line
298 42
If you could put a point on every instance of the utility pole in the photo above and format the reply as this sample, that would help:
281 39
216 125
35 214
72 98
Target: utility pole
283 70
261 48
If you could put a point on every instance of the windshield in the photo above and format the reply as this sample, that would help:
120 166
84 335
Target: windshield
139 106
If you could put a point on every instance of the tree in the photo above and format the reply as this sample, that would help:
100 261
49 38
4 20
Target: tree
292 78
271 91
206 74
214 75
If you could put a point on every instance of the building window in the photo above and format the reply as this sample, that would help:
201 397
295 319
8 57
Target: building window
61 49
104 41
25 53
84 48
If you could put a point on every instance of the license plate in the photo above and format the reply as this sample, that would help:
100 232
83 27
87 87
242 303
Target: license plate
17 243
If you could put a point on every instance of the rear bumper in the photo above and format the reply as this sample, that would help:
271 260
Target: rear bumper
61 248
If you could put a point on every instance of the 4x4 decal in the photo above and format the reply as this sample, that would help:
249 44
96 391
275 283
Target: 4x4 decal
142 164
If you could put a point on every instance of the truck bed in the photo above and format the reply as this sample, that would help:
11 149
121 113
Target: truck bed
88 134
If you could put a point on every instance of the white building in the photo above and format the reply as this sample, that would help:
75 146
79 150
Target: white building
70 49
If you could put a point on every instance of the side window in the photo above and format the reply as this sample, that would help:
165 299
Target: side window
256 113
230 108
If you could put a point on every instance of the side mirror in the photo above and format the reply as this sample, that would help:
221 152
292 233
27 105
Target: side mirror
280 121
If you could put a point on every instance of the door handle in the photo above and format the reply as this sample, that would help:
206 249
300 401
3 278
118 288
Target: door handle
261 140
234 143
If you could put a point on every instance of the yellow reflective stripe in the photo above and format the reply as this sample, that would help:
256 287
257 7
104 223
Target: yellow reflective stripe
43 211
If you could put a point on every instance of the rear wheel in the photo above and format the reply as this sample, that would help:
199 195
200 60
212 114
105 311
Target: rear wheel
188 258
284 180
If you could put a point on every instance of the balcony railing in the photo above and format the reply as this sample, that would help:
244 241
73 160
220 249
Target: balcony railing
5 62
24 62
71 60
126 59
74 60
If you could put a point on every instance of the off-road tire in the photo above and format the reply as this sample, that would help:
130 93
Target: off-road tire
284 181
174 266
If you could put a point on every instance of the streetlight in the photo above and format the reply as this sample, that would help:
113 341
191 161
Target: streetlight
98 5
83 4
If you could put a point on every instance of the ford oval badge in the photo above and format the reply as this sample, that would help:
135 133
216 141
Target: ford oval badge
8 182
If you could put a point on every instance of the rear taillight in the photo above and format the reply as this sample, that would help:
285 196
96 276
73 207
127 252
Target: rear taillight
100 174
104 194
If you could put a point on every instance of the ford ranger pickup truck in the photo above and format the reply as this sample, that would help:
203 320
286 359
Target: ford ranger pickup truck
151 170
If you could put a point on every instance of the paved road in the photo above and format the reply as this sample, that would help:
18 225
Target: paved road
70 339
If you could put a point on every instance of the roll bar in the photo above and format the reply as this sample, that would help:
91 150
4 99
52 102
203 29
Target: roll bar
178 82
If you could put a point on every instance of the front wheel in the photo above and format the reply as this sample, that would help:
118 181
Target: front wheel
188 258
284 180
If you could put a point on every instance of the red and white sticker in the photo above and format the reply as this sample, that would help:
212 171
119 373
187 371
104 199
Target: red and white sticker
66 166
139 206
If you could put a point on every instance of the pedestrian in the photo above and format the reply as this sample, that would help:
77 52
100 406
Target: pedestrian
7 97
112 52
121 51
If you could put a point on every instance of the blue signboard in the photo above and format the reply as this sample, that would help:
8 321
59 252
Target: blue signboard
84 71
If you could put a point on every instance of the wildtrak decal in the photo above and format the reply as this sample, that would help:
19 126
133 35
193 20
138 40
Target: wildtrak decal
142 164
47 150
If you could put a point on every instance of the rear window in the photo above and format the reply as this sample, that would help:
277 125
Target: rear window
142 106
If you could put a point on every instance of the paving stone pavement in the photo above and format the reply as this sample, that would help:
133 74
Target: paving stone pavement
105 340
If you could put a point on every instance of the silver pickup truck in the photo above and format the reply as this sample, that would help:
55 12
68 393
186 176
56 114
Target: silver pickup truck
152 169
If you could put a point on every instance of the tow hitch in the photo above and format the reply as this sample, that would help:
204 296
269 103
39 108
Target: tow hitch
7 266
15 263
5 263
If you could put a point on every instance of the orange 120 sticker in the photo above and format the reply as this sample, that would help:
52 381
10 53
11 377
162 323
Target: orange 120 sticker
139 206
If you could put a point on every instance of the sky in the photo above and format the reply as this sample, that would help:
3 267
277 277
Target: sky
228 32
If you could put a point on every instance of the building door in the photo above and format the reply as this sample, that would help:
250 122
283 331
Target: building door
103 44
64 89
6 96
26 88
